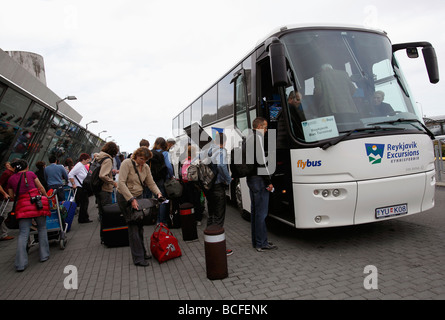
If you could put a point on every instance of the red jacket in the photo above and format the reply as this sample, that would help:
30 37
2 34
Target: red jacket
26 209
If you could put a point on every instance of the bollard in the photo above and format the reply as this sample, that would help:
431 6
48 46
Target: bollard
188 223
215 252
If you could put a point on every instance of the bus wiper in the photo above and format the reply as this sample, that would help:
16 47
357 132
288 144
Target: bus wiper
427 131
340 139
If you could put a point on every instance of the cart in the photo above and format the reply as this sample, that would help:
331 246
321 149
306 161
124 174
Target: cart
55 224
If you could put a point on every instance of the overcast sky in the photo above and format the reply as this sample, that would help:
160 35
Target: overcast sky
134 64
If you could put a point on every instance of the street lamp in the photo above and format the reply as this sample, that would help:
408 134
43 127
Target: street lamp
59 101
101 132
107 138
66 98
86 126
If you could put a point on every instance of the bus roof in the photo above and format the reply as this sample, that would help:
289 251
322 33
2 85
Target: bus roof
318 26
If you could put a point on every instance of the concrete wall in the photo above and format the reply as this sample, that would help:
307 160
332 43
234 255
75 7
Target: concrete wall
26 79
32 62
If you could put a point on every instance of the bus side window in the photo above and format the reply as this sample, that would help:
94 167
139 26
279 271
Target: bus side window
241 114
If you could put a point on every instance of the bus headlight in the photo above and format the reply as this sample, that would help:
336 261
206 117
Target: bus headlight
336 193
325 193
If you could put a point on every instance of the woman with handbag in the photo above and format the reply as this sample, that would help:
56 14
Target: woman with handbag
134 174
30 202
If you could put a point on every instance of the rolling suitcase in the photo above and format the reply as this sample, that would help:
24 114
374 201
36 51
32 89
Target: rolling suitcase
114 229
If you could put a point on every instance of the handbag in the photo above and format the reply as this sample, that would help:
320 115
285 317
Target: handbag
147 213
148 208
173 188
163 244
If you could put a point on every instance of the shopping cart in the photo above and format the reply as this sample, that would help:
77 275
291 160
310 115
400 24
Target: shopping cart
55 224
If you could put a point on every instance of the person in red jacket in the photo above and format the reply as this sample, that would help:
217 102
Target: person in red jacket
24 184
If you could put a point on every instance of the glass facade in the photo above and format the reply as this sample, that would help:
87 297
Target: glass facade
31 131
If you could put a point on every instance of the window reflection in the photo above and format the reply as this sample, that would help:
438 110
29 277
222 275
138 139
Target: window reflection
225 97
30 131
196 111
209 106
13 107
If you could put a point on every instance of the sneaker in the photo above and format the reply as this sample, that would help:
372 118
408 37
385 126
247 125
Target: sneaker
270 246
7 238
229 252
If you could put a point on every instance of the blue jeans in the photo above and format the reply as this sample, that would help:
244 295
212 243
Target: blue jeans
259 198
21 258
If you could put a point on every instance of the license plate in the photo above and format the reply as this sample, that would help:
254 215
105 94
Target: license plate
391 211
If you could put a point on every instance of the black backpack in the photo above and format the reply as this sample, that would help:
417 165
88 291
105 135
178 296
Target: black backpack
157 166
92 183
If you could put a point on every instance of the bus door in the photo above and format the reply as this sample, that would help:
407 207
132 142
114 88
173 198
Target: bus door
272 106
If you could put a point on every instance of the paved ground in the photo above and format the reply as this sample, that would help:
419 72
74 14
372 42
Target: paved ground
408 254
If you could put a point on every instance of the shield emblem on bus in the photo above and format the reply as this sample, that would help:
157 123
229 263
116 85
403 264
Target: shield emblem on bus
375 152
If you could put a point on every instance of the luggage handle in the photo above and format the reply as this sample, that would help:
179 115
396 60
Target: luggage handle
3 206
161 226
74 193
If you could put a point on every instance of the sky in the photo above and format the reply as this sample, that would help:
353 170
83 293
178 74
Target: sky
135 64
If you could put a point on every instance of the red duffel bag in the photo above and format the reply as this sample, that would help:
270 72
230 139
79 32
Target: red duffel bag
163 244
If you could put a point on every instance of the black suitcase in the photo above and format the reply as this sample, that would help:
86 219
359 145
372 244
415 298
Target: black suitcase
114 229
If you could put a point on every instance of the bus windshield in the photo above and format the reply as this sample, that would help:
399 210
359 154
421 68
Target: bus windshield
343 80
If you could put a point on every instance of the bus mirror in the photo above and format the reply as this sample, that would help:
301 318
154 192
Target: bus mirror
429 54
278 63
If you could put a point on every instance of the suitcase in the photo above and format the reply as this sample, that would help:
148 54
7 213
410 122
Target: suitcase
70 206
114 229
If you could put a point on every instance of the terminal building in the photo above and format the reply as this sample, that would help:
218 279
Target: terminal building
34 121
436 124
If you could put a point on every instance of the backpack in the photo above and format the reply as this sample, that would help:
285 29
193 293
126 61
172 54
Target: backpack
238 162
157 166
203 171
92 183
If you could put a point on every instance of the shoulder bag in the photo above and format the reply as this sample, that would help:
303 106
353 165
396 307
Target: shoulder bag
148 208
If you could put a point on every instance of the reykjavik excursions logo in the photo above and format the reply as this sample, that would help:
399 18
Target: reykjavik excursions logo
396 153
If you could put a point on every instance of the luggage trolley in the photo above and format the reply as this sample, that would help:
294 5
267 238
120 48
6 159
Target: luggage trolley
3 206
55 224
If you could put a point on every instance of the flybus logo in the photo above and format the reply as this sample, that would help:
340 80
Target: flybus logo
308 164
375 152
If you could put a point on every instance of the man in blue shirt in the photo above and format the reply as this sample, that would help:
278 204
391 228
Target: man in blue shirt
54 175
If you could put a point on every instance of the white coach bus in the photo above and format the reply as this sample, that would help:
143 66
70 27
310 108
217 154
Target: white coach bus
350 145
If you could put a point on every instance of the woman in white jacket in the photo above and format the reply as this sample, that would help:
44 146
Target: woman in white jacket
76 177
